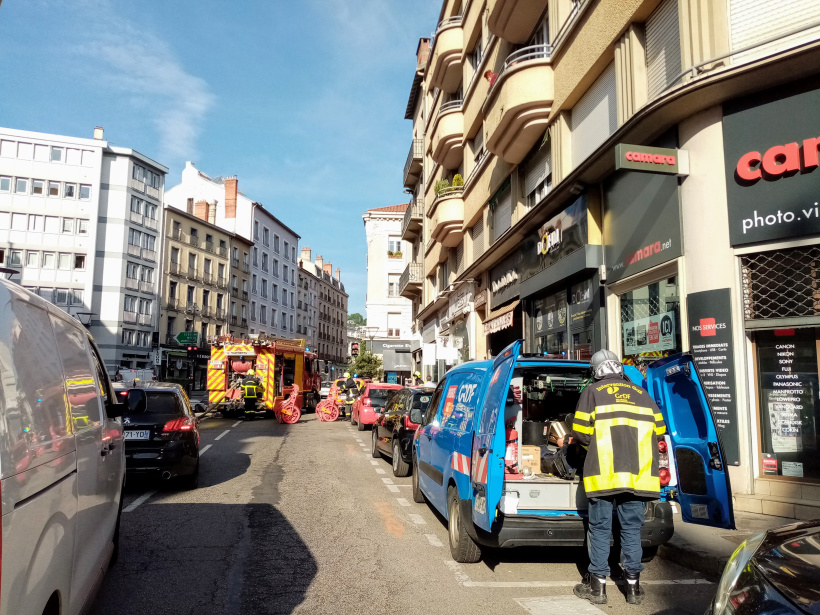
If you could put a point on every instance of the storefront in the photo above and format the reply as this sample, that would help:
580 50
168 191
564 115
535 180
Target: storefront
396 356
503 324
560 285
456 325
773 181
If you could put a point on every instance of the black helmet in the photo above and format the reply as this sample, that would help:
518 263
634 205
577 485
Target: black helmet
605 363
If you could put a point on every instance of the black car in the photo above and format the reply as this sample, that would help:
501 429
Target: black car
161 432
773 572
393 430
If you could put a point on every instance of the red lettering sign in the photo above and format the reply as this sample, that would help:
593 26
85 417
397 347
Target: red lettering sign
707 327
651 158
654 333
778 160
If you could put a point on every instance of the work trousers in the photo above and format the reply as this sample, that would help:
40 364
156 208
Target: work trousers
250 408
631 512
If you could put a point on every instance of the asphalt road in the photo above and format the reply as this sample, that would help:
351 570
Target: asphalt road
301 519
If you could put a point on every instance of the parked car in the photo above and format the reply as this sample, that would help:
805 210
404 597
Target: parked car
326 384
374 397
161 431
459 453
61 459
773 572
394 429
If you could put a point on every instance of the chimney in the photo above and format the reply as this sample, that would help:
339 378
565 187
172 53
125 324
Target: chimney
201 210
305 254
230 196
338 275
422 52
189 205
98 133
212 212
319 262
328 269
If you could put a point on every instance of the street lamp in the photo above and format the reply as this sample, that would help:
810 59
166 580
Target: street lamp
370 332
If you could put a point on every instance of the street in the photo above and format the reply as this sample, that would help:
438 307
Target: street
301 519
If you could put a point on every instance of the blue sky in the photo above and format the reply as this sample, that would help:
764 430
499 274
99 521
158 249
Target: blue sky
303 100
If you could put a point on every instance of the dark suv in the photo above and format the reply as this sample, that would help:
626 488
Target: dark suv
393 430
160 430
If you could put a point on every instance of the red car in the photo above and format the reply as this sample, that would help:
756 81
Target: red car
374 397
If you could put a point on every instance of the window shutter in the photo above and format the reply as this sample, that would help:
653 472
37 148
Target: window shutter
477 235
478 140
663 62
754 21
594 116
460 258
502 212
537 168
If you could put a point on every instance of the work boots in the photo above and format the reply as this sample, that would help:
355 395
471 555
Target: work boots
593 588
634 591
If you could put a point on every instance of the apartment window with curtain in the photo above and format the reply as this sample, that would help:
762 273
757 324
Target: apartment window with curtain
393 285
595 116
537 175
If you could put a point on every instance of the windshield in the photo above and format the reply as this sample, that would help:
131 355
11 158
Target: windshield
152 402
422 400
380 397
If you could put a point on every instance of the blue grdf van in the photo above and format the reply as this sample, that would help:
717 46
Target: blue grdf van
459 453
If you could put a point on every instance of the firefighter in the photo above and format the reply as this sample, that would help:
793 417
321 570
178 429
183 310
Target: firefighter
619 425
348 388
252 390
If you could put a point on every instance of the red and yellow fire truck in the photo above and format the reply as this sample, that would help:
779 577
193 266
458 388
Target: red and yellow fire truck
277 362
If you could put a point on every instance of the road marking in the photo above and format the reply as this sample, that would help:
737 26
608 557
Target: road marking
433 540
236 424
418 520
357 438
368 456
362 444
565 604
140 500
460 575
393 488
204 449
380 471
403 502
387 481
222 435
374 462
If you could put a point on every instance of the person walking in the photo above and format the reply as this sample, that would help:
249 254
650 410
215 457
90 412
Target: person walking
348 388
252 390
619 424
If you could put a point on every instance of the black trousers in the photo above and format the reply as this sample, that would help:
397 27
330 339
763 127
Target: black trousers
250 408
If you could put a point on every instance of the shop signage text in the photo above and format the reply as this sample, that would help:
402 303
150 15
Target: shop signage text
778 160
496 324
550 241
558 237
505 280
649 334
651 159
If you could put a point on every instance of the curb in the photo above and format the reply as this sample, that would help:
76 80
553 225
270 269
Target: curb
684 554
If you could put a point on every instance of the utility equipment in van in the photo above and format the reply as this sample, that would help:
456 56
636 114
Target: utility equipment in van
459 453
61 459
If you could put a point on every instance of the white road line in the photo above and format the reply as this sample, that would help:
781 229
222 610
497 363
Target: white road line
403 502
380 471
368 456
570 605
393 488
236 424
433 540
222 435
387 481
204 449
460 575
374 462
362 444
140 500
418 520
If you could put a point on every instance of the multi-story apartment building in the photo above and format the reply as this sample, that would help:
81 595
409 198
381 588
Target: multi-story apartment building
271 248
330 311
195 291
640 176
79 219
307 302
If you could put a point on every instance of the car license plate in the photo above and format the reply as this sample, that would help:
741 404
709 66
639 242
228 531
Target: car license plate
142 434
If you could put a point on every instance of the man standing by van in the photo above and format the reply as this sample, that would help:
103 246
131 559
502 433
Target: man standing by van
619 424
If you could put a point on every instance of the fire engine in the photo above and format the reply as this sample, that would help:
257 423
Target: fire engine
278 362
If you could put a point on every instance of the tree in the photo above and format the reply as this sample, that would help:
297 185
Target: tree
357 319
367 365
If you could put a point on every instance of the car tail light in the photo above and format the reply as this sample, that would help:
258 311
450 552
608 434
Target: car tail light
665 476
662 446
180 424
663 463
407 423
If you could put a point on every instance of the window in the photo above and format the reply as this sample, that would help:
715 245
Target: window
265 288
76 297
131 271
292 277
208 265
53 188
264 261
276 243
136 206
79 261
38 186
291 322
35 223
394 245
285 272
266 236
284 296
255 256
18 222
253 284
150 210
68 225
286 249
175 255
61 296
16 258
85 192
220 301
255 233
147 275
56 154
63 261
263 314
69 191
21 186
276 267
191 296
48 260
393 284
293 254
88 158
32 259
172 290
82 227
192 261
206 298
393 324
149 241
5 184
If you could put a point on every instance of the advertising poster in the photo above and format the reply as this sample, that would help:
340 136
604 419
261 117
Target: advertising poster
650 334
710 337
558 237
448 403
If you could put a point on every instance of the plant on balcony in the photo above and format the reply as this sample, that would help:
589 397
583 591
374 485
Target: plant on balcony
440 185
458 180
394 254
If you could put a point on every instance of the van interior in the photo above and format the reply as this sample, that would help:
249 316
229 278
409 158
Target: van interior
540 405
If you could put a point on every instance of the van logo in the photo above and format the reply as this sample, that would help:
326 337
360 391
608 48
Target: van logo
126 421
535 493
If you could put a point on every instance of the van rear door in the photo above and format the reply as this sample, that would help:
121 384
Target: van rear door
489 444
703 489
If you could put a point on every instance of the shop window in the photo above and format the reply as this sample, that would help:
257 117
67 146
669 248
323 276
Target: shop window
650 323
781 283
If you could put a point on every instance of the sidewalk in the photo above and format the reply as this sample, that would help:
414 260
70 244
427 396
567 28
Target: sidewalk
707 549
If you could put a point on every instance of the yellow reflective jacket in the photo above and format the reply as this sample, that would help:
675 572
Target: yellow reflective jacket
619 423
251 389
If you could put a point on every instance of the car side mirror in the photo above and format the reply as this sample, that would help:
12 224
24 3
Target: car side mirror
114 410
417 416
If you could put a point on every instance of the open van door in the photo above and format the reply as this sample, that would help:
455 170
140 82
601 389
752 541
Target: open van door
489 445
703 489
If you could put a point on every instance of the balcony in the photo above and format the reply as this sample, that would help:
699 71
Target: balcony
246 267
244 323
191 307
133 250
449 217
448 134
235 263
234 292
222 251
129 317
147 287
245 295
411 225
177 234
414 164
514 20
221 283
135 216
152 192
174 268
148 254
234 319
193 240
445 66
132 283
145 319
206 311
519 104
411 280
209 246
220 314
150 223
172 304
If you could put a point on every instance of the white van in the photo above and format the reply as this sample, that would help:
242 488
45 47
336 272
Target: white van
62 460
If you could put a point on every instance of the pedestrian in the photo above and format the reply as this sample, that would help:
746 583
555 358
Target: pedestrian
619 424
252 390
429 381
118 376
417 379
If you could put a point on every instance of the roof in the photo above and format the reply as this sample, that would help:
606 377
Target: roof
399 209
147 385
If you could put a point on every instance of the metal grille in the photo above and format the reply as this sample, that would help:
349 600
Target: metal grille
781 283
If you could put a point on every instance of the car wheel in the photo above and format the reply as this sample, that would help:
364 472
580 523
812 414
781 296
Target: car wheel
418 495
192 481
649 554
375 444
463 548
400 466
359 425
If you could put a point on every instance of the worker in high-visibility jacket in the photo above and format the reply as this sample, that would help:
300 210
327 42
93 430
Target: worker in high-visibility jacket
619 424
252 391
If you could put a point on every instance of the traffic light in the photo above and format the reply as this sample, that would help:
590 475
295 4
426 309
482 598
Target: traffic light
354 349
192 352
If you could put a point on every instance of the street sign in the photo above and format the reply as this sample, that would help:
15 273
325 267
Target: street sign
188 337
157 357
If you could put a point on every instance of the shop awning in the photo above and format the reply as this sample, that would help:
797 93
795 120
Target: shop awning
501 318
